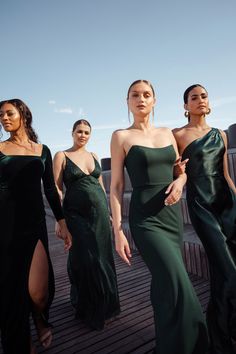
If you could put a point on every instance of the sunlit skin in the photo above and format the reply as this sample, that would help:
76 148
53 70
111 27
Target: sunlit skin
141 102
198 107
20 144
10 118
80 157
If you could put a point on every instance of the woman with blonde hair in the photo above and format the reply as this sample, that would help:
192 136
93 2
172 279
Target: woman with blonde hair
149 155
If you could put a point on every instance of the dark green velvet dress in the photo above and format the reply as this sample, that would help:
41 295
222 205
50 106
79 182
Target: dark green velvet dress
157 232
91 268
212 209
22 225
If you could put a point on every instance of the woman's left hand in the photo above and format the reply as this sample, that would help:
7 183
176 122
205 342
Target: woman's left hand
180 166
174 190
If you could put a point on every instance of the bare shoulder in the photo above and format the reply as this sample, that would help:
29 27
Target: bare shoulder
222 132
179 130
95 156
224 136
59 156
119 135
120 132
163 130
3 144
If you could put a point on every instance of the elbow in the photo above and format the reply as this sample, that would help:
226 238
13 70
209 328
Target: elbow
116 189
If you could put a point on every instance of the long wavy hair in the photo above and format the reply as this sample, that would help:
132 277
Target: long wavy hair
25 115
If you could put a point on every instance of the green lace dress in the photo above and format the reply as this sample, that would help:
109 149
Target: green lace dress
157 232
91 268
212 209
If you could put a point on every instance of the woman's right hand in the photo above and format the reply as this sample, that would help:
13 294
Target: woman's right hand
122 247
63 233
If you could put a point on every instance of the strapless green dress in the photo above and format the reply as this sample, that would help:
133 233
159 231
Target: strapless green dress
22 225
157 232
212 209
91 268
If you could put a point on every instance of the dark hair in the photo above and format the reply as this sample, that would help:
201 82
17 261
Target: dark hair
137 82
25 115
190 88
81 121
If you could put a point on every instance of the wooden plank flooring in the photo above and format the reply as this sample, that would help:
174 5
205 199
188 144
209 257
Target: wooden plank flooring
131 332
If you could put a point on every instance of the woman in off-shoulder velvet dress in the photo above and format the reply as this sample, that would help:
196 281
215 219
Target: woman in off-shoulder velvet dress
212 208
26 274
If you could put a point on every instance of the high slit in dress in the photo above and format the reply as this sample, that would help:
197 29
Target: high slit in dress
22 226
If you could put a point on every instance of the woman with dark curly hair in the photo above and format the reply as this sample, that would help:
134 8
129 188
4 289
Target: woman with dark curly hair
26 275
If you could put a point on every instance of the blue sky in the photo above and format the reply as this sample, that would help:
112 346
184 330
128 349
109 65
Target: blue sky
71 59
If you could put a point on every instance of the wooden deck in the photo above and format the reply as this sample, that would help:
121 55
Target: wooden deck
131 332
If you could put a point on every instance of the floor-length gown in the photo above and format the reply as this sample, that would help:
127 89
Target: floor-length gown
212 209
22 225
91 268
157 232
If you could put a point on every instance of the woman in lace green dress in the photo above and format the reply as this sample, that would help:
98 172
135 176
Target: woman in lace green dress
91 268
211 198
149 155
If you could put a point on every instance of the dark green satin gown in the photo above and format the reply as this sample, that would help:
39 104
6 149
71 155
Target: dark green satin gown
91 269
157 232
212 209
22 225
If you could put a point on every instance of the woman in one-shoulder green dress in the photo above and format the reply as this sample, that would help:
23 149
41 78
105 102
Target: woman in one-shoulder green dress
149 155
91 268
212 208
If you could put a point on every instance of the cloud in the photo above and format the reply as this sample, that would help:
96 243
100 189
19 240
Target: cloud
66 110
52 102
222 101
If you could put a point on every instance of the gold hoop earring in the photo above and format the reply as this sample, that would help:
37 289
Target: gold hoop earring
186 113
209 111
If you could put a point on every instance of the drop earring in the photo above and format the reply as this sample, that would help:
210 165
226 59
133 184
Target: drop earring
186 113
209 111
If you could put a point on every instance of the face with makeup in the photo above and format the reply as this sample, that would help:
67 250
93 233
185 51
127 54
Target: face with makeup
141 98
10 118
81 133
196 101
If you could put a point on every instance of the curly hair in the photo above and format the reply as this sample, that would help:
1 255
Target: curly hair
26 116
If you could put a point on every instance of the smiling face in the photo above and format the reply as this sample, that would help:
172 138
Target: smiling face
10 118
81 134
141 99
197 101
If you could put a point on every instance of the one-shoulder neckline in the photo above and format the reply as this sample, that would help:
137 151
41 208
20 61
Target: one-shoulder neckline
148 147
86 174
21 155
195 140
